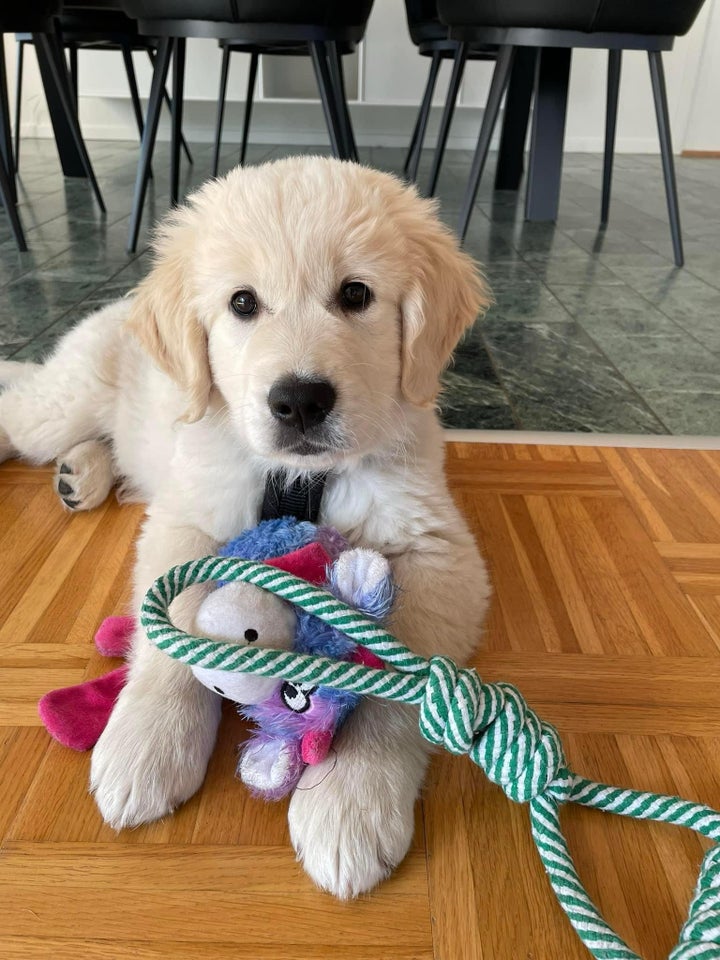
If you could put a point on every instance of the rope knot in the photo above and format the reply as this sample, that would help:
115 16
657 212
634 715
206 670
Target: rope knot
494 725
700 936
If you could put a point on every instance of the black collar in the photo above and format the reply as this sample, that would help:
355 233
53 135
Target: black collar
300 499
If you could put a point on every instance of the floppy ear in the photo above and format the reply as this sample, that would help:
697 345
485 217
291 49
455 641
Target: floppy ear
446 295
164 320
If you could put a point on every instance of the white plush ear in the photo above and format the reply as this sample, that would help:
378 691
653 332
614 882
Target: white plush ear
164 320
358 572
447 293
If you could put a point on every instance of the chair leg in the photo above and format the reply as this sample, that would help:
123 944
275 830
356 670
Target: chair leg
613 90
412 161
152 117
133 87
338 80
455 80
178 83
8 201
657 75
6 146
74 75
134 94
168 104
501 77
249 98
224 70
56 64
318 53
18 98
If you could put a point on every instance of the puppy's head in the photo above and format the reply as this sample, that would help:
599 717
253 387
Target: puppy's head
319 298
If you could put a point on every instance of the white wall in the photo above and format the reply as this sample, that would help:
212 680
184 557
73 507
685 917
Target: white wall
391 80
703 121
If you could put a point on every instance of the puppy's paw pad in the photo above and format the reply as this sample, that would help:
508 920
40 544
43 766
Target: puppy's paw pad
85 476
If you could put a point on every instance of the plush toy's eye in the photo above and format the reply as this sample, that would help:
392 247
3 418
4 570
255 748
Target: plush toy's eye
218 690
243 304
356 296
251 635
297 696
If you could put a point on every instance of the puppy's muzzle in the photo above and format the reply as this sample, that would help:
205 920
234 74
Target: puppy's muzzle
301 404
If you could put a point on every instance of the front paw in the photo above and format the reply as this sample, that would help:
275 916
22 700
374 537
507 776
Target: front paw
152 755
351 817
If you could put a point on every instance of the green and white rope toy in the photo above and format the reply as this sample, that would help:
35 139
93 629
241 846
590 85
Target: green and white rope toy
489 721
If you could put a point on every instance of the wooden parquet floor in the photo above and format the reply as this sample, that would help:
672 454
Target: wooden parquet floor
606 565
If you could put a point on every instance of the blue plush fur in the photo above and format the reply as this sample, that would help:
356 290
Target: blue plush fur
271 538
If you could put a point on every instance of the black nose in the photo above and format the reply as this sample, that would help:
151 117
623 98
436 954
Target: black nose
301 404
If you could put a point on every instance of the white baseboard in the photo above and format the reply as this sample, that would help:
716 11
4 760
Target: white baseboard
645 440
281 122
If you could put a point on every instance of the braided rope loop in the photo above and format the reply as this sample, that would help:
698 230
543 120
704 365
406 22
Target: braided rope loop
700 937
491 722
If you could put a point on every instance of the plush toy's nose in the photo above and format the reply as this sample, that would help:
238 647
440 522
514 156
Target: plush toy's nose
301 403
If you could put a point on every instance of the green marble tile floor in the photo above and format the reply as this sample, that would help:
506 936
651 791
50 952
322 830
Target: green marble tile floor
591 331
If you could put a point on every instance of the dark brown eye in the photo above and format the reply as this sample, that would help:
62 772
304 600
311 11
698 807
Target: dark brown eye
243 304
251 635
356 296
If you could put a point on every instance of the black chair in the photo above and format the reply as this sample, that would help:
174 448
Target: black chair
293 50
553 29
431 38
94 25
320 25
36 17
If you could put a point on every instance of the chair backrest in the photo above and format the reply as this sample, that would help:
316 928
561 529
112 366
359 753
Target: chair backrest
654 17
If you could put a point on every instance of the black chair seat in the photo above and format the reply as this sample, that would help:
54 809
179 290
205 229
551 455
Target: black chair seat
289 49
546 33
36 18
433 39
327 13
325 28
27 16
650 17
86 25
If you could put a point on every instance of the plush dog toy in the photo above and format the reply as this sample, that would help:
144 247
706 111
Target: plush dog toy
295 724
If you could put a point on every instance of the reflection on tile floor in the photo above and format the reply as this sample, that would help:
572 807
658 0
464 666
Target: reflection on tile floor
591 330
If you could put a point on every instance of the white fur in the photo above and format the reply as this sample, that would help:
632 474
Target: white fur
179 385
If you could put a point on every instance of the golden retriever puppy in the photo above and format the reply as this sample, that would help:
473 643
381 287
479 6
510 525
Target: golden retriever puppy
298 316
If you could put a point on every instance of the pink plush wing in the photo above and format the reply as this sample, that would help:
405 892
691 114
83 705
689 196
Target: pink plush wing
76 716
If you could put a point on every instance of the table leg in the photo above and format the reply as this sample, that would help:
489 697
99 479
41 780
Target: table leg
548 133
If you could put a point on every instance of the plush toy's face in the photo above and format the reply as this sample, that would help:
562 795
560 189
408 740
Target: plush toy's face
248 616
